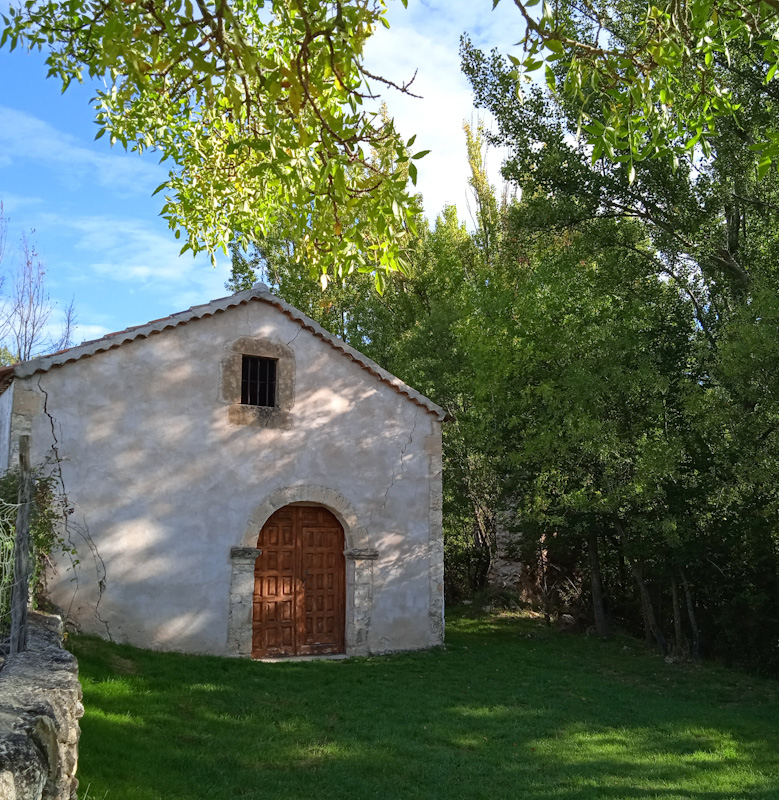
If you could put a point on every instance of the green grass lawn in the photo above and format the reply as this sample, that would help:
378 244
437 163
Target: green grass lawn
509 709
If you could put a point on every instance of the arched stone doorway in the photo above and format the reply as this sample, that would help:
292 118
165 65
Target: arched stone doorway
359 574
299 598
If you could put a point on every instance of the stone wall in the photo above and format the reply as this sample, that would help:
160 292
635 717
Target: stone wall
506 570
40 705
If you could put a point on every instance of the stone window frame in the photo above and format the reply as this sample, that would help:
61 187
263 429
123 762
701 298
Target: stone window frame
278 416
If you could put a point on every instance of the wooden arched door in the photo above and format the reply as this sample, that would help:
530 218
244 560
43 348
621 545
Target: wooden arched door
299 584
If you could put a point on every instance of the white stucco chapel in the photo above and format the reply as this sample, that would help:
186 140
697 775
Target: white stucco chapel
242 483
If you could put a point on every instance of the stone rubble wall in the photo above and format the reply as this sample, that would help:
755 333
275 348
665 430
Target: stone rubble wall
506 571
40 705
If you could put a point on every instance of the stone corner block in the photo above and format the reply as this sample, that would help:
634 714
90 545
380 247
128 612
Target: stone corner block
245 552
434 445
365 553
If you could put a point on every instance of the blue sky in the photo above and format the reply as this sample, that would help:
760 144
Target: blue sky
97 225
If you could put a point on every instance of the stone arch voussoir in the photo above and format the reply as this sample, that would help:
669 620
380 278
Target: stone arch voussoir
355 534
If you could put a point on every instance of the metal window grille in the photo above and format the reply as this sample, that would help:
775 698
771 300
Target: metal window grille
258 382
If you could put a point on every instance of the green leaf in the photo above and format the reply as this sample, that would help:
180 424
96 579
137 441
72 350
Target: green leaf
412 173
690 143
380 281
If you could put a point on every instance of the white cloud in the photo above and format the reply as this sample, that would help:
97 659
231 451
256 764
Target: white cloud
127 250
127 271
86 333
25 138
132 251
13 203
426 38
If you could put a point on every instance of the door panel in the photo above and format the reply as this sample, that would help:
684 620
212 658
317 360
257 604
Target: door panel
274 587
299 584
323 565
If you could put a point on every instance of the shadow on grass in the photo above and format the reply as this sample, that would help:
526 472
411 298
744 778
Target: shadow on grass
507 710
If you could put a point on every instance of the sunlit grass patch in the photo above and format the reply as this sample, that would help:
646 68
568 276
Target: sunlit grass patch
510 709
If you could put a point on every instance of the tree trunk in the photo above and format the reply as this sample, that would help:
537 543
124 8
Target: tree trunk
482 548
646 612
623 572
695 650
680 644
650 622
544 585
598 610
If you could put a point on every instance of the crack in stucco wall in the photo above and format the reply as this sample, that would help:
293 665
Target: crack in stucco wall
395 476
300 330
83 530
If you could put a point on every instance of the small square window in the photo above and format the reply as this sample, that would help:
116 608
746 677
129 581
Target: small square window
258 381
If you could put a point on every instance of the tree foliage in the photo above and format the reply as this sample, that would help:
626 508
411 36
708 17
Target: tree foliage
48 509
258 107
653 422
651 79
609 376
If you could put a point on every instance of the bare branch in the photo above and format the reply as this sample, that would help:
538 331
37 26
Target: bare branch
68 327
403 87
26 312
29 306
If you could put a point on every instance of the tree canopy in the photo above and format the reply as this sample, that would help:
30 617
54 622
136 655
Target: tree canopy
257 106
609 378
654 79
